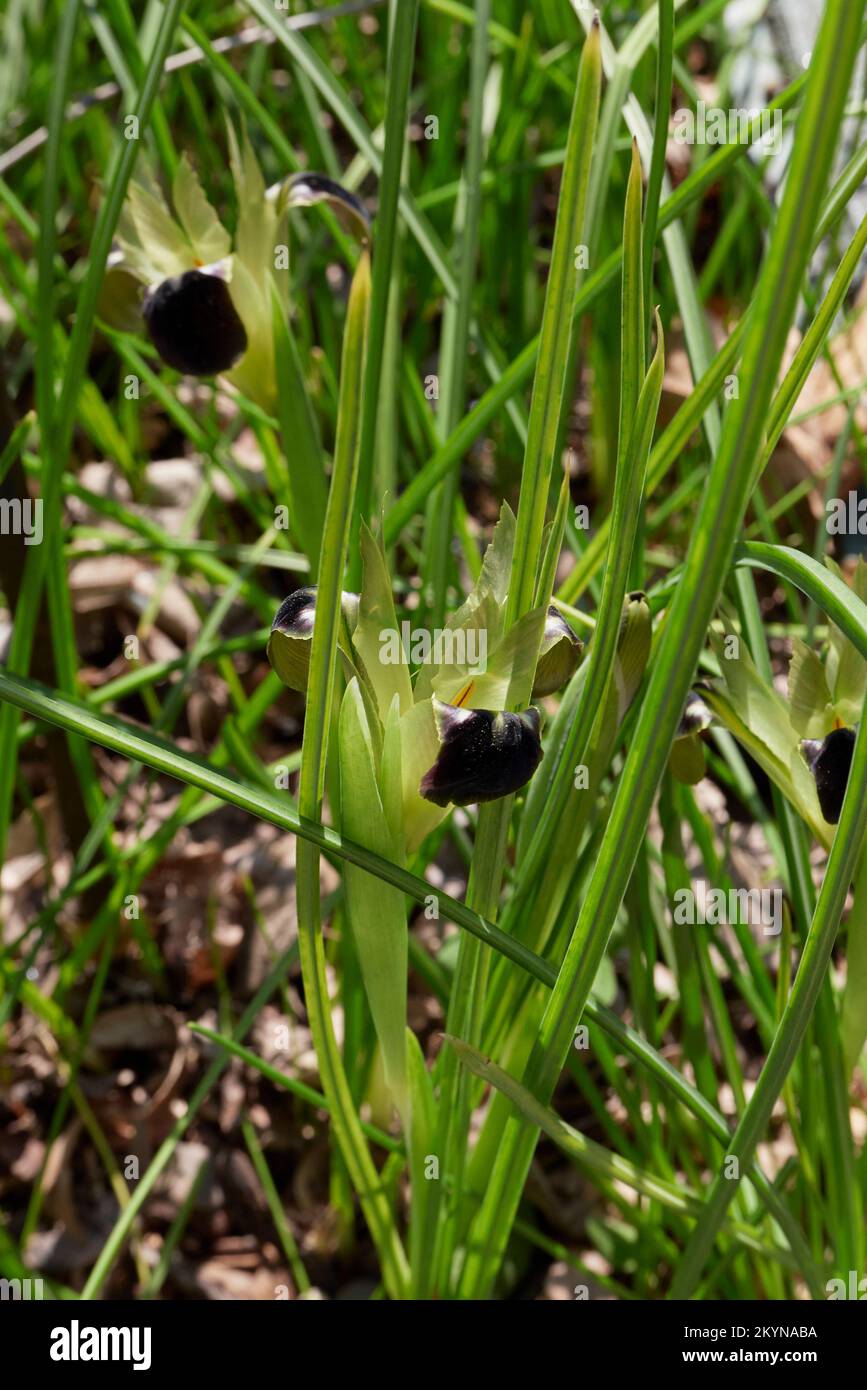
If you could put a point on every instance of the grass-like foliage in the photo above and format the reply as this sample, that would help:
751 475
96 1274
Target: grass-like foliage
487 583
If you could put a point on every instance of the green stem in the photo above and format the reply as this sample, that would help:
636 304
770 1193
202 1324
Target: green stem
466 1006
713 538
197 774
456 326
662 109
401 51
372 1195
841 866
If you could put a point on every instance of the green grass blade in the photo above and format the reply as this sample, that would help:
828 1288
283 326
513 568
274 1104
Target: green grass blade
593 1158
585 733
317 726
31 591
287 1083
456 327
305 470
839 872
709 556
549 384
466 1001
401 52
830 593
813 340
377 915
165 757
853 1018
662 109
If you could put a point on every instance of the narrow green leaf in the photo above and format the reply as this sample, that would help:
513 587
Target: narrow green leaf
710 553
552 548
631 305
842 862
592 1157
377 633
165 757
455 338
827 590
549 384
302 448
317 725
376 913
661 115
814 338
423 1110
401 52
601 660
853 1020
286 1083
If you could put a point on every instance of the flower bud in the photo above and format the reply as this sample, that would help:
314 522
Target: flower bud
633 648
686 760
292 631
305 190
559 655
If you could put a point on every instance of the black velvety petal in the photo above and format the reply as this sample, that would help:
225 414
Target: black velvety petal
292 630
295 615
830 761
484 754
307 189
289 643
193 323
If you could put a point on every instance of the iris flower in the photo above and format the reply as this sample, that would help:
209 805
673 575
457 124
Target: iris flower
205 299
459 745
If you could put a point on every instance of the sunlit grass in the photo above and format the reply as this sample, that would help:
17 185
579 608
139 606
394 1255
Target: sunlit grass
527 277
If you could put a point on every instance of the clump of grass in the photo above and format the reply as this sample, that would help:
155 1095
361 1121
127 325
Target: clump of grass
576 737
